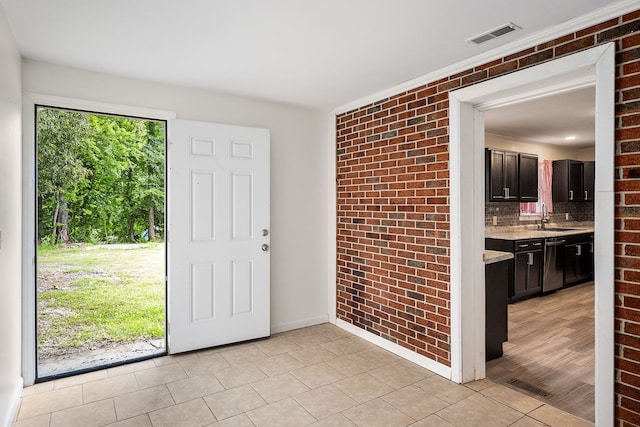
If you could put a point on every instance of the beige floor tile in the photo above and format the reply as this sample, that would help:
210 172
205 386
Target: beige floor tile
415 402
278 388
380 356
377 413
109 387
142 401
194 413
160 375
243 355
130 368
433 421
92 414
513 399
308 338
232 402
239 375
238 421
318 375
174 358
277 345
39 421
363 387
325 401
43 403
279 364
337 420
478 410
139 421
79 379
331 331
192 388
399 374
203 365
446 390
283 413
527 422
352 364
555 417
480 384
347 345
313 355
38 388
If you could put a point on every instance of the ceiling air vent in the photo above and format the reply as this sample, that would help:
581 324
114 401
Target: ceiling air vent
492 34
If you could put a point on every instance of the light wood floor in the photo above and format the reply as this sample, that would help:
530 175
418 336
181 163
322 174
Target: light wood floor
551 347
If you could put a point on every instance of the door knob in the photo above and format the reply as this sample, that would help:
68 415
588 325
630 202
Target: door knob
265 247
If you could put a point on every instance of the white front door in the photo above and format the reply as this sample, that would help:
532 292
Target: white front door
218 235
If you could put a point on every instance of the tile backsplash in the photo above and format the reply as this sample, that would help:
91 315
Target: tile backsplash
508 214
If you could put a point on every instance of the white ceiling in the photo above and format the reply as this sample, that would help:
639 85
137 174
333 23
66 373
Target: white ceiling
319 54
548 120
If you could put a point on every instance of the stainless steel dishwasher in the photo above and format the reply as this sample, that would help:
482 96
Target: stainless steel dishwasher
553 277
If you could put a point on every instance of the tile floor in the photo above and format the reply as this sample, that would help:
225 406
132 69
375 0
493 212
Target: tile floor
319 376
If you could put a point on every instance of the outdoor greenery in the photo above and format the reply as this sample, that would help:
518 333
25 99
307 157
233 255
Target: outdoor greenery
100 191
96 296
100 178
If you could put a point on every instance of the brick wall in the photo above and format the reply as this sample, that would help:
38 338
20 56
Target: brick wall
393 207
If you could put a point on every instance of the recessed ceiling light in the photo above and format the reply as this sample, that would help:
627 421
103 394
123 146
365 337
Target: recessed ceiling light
492 34
569 138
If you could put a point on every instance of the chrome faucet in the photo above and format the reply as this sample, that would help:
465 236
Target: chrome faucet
544 217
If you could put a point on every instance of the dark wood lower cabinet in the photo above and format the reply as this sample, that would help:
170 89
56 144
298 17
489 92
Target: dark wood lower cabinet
498 278
578 255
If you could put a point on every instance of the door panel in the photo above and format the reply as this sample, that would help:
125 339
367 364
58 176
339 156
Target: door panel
218 254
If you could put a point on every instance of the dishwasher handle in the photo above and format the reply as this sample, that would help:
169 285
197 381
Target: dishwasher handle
555 242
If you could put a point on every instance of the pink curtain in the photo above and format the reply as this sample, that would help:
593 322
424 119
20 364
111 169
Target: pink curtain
545 170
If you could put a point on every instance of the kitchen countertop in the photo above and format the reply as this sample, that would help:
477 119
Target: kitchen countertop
532 232
490 257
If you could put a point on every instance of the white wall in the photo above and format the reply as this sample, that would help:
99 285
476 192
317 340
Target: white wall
299 168
10 221
544 151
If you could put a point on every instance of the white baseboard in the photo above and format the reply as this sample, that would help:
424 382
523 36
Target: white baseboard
9 399
418 359
283 327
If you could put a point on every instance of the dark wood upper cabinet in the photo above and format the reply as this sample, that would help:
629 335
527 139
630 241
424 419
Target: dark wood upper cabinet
510 176
528 173
567 181
589 181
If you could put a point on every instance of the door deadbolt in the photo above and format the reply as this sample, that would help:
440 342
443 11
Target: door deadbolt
265 232
265 247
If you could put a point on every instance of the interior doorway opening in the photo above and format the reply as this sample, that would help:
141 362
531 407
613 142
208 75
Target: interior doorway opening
592 66
100 262
550 353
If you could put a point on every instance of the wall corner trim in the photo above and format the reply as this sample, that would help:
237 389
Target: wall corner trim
312 321
10 397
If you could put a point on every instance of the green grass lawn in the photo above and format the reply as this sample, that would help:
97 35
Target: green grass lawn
94 296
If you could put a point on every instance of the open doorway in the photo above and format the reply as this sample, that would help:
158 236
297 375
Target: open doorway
589 67
100 253
550 352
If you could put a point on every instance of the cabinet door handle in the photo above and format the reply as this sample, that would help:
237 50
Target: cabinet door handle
591 247
530 259
506 192
578 250
586 196
570 194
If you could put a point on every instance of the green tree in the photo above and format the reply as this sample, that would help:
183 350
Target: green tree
117 191
59 135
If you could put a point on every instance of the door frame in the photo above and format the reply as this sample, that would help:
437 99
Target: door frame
595 66
29 103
